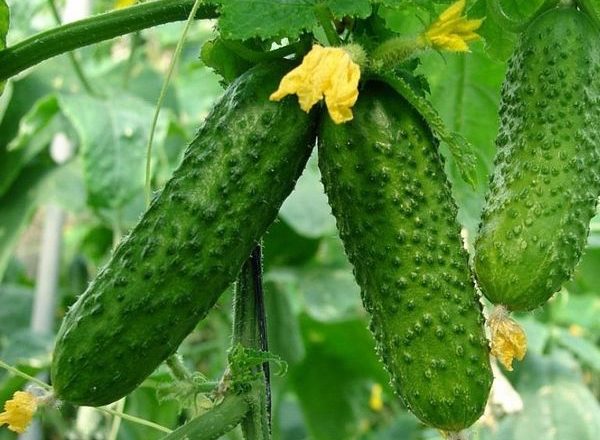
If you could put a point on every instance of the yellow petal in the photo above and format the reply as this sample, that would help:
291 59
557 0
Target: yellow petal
19 411
451 31
469 25
451 43
327 73
375 401
508 338
453 11
120 4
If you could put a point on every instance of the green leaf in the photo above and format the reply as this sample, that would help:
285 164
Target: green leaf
144 403
537 334
244 19
17 206
582 310
285 339
556 404
333 382
592 8
584 350
15 312
496 29
224 61
465 89
316 221
36 130
330 294
26 347
283 246
4 24
499 42
112 135
586 278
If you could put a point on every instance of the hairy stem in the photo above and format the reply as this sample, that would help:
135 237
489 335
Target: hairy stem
249 330
178 369
215 422
324 16
50 43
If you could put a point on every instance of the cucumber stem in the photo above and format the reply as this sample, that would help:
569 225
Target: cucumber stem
217 421
65 38
394 51
178 369
249 330
324 16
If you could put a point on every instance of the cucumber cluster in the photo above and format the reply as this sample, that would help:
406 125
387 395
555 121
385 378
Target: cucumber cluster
385 181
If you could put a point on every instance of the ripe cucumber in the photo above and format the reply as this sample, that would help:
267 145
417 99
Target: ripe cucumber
546 181
386 185
190 244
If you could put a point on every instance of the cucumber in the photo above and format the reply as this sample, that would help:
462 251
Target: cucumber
388 192
188 246
546 181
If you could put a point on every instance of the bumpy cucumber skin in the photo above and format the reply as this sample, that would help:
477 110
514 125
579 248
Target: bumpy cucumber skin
386 185
190 244
546 181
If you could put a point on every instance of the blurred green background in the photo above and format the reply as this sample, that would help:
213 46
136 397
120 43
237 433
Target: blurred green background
316 321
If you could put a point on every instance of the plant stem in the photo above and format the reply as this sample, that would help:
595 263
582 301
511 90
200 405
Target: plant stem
216 422
249 330
50 43
255 56
136 42
76 66
163 94
116 423
178 369
133 419
394 51
324 17
19 373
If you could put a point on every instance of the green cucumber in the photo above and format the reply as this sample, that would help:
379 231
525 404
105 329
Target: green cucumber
189 245
386 185
546 181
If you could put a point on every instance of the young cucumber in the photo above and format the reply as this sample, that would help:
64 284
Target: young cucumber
546 181
190 244
386 185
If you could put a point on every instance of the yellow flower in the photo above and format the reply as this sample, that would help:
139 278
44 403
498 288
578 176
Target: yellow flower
375 401
508 338
120 4
451 31
325 72
19 411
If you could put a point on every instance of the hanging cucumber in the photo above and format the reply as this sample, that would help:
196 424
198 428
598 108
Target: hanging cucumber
386 185
190 244
546 181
